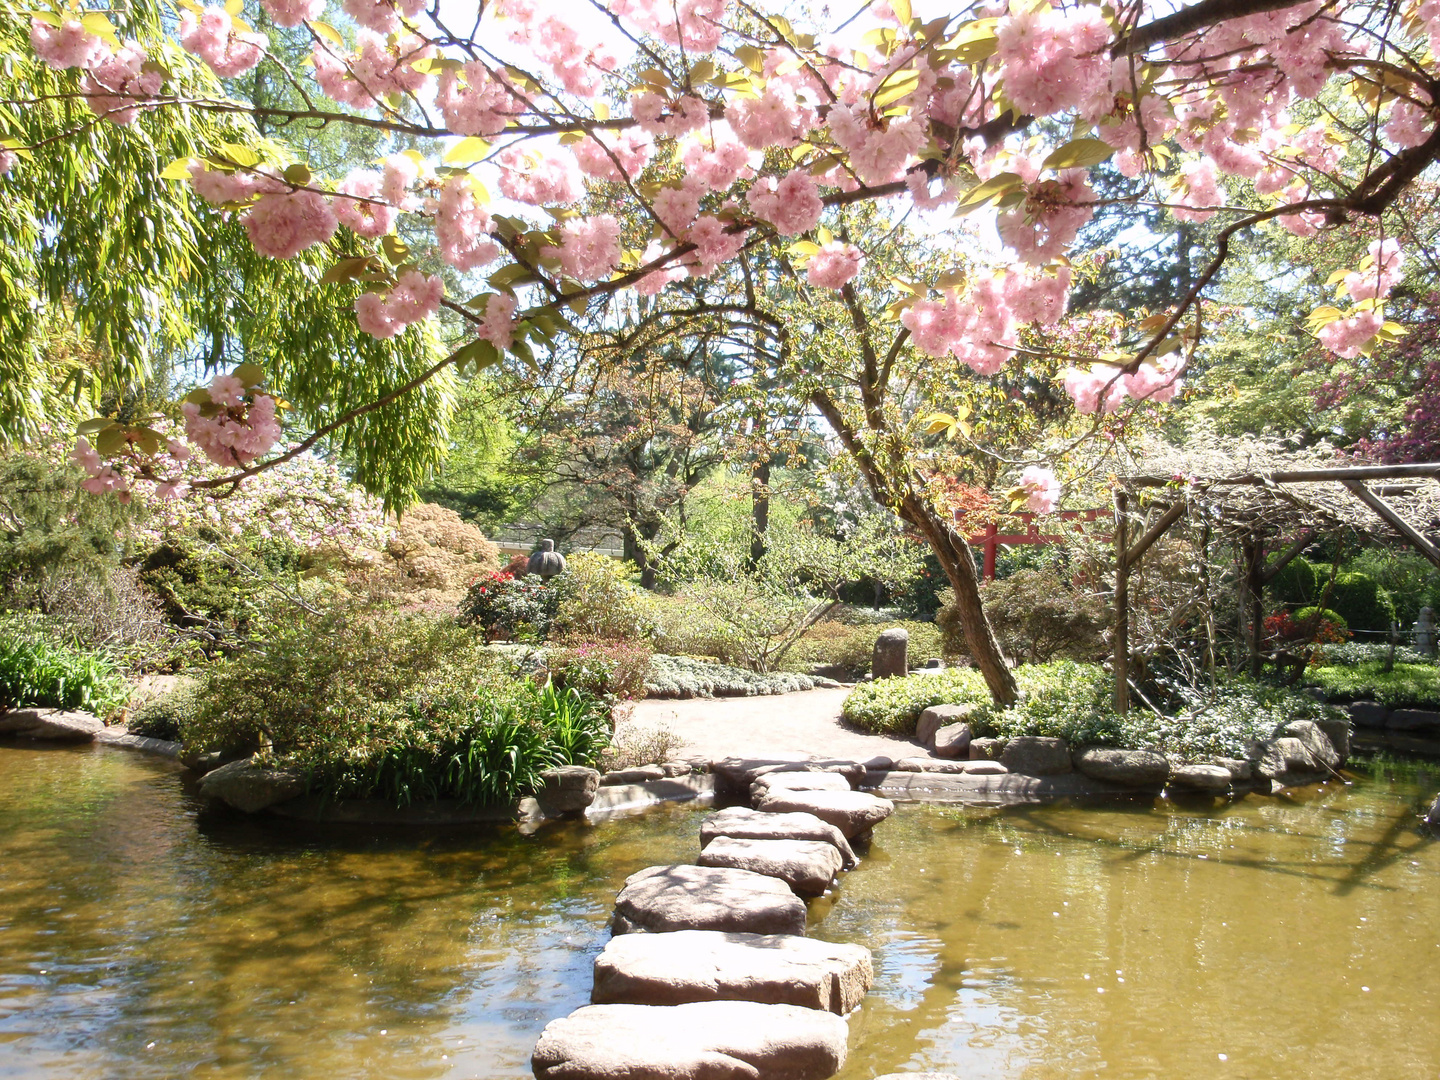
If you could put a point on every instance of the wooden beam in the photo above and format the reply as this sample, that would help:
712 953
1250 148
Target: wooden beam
1287 556
1394 520
1159 529
1121 644
1306 476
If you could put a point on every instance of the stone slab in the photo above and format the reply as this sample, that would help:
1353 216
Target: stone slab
977 767
1011 789
1036 755
50 725
663 898
117 736
705 965
938 716
953 741
640 774
734 775
251 787
744 823
1368 713
1132 768
1421 721
797 781
854 813
706 1040
1201 777
807 866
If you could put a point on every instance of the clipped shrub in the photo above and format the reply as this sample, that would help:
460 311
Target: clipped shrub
509 608
689 677
1330 626
1361 602
163 717
1298 583
893 706
1036 615
597 602
603 669
38 669
435 549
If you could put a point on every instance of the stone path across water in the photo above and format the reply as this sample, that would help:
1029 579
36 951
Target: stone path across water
725 986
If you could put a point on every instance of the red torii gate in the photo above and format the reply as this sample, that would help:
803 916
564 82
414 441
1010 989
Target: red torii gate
992 537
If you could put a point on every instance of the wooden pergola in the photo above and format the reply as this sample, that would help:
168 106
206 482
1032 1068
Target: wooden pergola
1284 508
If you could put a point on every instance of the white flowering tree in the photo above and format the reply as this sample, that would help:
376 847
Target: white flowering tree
634 143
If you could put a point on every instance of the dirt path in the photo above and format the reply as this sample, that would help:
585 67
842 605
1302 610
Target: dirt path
778 725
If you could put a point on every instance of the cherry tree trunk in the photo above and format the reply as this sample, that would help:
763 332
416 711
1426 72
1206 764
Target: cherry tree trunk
958 562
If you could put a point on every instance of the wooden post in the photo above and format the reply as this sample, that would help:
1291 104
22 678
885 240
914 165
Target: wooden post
1121 644
1252 599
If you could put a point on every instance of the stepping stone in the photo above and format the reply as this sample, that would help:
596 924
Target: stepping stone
852 812
979 767
703 965
807 866
745 824
56 725
733 775
1201 777
705 1040
662 898
798 781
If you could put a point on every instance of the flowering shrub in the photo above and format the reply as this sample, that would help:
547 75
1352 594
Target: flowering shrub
507 607
603 669
1307 625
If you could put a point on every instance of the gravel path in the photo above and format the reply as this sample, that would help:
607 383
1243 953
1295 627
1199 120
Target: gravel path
775 725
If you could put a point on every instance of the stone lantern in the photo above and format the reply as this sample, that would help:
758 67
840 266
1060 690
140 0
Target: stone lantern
547 562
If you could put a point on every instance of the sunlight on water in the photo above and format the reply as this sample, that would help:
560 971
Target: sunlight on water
142 936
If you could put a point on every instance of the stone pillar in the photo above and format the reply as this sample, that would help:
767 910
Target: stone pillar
890 660
1425 632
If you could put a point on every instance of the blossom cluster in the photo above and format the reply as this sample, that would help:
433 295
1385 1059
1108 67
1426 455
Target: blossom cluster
114 80
413 298
1102 388
239 428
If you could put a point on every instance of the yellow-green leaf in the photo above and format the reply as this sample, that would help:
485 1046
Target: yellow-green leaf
396 250
235 154
751 57
897 85
298 174
993 188
234 7
179 169
250 374
329 33
1079 154
470 149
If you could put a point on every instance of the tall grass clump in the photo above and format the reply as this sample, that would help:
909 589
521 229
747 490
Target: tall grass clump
38 668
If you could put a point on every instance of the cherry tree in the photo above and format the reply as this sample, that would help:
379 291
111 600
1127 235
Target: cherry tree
666 139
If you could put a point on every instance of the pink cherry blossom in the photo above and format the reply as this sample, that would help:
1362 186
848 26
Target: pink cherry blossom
792 204
227 390
282 226
833 265
479 102
1085 387
676 207
498 325
367 215
1383 274
212 36
599 152
67 45
115 84
362 78
715 158
1157 382
85 456
1410 124
1042 489
775 118
1351 336
879 151
547 178
713 243
414 297
1198 189
656 280
293 12
8 160
1054 60
589 247
463 226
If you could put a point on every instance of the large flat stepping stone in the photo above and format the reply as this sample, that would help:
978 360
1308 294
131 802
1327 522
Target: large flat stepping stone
706 1040
798 781
744 823
53 725
807 866
980 767
733 775
663 898
854 813
703 965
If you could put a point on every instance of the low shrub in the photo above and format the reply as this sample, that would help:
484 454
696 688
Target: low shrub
639 744
1071 701
1352 653
597 602
370 702
1037 616
689 677
613 670
163 717
1406 685
852 647
1306 625
511 608
39 669
1298 583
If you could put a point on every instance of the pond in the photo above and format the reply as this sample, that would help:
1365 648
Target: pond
143 936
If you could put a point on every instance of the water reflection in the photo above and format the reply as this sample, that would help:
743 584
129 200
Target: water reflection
143 937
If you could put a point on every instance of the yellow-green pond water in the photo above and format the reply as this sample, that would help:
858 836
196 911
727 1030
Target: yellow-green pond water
144 936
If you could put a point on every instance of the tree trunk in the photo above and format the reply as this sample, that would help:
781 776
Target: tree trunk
958 562
759 510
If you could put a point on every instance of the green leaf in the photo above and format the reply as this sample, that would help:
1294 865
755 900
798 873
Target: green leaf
476 355
396 250
897 85
250 374
329 33
346 270
235 154
179 169
90 427
467 151
1079 154
199 396
298 174
901 8
751 57
974 42
993 188
102 28
110 440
